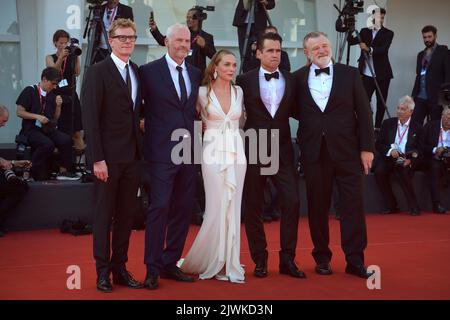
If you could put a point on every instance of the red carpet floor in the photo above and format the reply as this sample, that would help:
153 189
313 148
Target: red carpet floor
412 252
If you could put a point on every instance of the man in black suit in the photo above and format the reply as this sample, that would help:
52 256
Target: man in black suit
112 10
202 43
242 16
111 103
336 141
268 99
376 42
432 70
435 141
398 147
170 90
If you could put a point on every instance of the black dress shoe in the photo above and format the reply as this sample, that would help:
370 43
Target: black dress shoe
359 271
390 211
124 278
323 269
104 285
151 282
438 208
261 269
177 275
290 268
415 212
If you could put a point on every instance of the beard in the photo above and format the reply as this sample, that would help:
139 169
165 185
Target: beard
430 44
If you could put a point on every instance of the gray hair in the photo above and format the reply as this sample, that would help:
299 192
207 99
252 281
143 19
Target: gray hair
312 35
445 110
407 100
178 26
3 110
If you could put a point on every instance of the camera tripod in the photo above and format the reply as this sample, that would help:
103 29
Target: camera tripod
90 30
251 18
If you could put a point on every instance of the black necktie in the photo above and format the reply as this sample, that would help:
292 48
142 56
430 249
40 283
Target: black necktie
319 71
128 80
275 75
182 85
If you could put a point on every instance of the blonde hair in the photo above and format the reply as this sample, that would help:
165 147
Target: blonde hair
121 24
210 70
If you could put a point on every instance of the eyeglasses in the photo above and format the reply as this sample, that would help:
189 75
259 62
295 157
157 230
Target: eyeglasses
125 38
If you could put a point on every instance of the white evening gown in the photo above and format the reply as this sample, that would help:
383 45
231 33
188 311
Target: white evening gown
216 249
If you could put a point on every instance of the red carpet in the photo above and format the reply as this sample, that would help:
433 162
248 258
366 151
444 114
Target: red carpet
412 252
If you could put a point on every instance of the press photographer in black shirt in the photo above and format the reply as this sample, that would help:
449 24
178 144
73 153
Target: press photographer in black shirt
40 109
67 61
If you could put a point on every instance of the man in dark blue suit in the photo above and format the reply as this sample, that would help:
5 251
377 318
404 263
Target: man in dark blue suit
169 89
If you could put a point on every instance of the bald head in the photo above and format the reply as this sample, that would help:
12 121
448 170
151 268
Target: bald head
4 115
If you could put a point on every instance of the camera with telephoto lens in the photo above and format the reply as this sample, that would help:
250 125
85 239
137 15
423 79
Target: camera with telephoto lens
444 94
74 47
445 156
9 175
353 7
200 15
410 155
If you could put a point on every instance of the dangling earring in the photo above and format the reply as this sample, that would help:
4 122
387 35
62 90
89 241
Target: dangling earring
215 75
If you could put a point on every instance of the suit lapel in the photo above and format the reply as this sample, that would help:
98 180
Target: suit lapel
287 91
115 73
393 131
336 72
167 78
257 89
191 78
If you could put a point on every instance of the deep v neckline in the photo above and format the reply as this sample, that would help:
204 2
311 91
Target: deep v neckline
226 114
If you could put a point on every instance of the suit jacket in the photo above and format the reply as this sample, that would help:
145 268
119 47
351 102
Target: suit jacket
240 15
163 109
346 124
198 57
438 72
258 117
380 54
123 11
430 137
109 120
388 134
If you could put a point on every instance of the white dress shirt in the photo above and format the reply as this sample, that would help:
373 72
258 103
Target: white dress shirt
174 74
320 86
401 137
272 91
366 70
120 64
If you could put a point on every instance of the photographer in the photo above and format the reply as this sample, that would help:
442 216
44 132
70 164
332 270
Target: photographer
202 43
67 62
242 16
398 154
252 62
12 189
376 41
40 109
110 12
432 70
436 148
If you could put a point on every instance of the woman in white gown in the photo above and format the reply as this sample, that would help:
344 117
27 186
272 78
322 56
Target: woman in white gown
216 249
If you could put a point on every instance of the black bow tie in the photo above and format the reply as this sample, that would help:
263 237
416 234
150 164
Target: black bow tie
275 75
319 71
